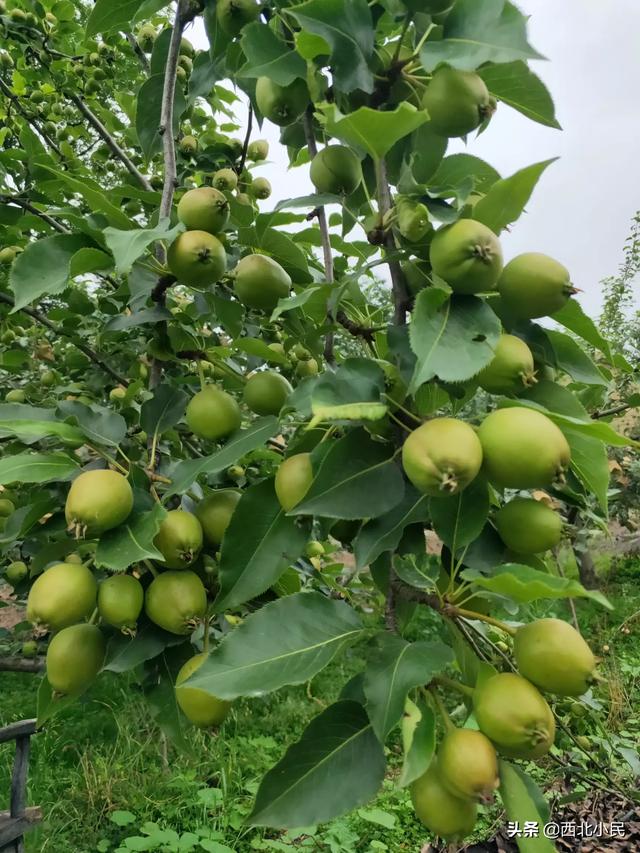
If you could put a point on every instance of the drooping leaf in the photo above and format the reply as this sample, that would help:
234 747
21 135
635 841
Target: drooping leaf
259 656
384 533
36 468
459 519
396 668
48 704
337 765
44 268
163 410
127 246
270 56
356 478
572 317
574 360
125 653
453 338
524 805
515 84
131 541
32 431
506 200
419 740
353 392
590 464
373 131
25 518
99 424
259 544
458 168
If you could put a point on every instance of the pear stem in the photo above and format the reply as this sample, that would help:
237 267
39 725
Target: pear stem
149 565
432 693
471 614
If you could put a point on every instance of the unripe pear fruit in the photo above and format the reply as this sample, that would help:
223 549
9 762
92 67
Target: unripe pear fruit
225 180
467 255
260 282
443 814
523 449
214 514
62 595
511 370
266 392
120 601
7 507
413 220
260 188
534 285
293 480
468 765
16 572
554 657
213 414
117 394
336 169
258 150
245 199
73 558
199 707
186 48
197 258
97 502
186 63
8 255
176 601
232 15
309 367
188 144
179 539
314 549
281 104
457 102
513 714
527 526
74 658
29 649
442 456
16 395
204 209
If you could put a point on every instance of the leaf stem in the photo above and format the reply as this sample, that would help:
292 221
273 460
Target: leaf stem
433 694
471 614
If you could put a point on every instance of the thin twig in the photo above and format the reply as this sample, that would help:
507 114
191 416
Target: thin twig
401 298
144 62
58 330
245 144
22 202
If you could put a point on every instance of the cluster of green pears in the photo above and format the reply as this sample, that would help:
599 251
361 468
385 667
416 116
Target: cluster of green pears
514 719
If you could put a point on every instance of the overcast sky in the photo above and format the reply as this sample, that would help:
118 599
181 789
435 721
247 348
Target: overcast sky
581 210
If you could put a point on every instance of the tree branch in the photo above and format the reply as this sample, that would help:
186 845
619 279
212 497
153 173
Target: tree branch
144 62
401 298
247 139
117 151
58 330
368 333
616 410
325 237
21 202
34 665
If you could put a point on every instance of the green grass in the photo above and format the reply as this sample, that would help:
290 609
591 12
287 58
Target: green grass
104 756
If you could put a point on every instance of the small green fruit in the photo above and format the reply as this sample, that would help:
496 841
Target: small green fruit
233 15
199 707
186 48
554 656
468 256
442 456
29 649
97 502
61 596
413 220
197 259
443 814
527 526
281 104
204 209
336 169
523 449
468 765
74 659
117 395
260 188
7 507
265 393
314 549
534 285
213 414
258 150
511 370
214 514
188 144
260 282
293 480
309 367
515 716
16 572
16 395
225 180
120 600
176 601
179 539
457 102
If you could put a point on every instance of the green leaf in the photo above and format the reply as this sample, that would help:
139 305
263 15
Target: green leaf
384 533
299 300
44 267
458 520
506 200
310 201
347 27
148 108
132 541
515 84
139 318
378 817
373 131
185 473
163 410
524 584
458 168
357 478
352 392
36 468
126 653
259 657
475 33
453 338
32 431
396 668
99 424
524 803
260 543
337 765
109 15
572 317
94 196
590 464
127 246
419 741
574 360
48 706
259 349
89 260
309 45
270 56
417 570
25 518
